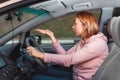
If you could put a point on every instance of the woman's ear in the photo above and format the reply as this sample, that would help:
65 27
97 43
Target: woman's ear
84 27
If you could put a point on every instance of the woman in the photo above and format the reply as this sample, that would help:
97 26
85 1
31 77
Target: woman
86 56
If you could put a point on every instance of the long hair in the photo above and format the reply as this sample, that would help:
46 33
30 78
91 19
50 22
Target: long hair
89 23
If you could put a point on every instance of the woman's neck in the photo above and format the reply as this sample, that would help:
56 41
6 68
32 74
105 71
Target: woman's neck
85 39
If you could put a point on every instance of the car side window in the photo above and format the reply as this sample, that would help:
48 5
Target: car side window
62 28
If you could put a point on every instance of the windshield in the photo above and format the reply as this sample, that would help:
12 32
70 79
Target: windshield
13 19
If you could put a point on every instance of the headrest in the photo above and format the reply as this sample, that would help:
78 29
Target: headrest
114 29
106 29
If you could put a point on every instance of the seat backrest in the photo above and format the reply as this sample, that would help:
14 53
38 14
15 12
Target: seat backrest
110 69
106 31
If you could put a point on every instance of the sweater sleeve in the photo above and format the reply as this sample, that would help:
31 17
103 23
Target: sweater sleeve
87 53
61 50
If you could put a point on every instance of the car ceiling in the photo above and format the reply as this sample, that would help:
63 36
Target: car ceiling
61 7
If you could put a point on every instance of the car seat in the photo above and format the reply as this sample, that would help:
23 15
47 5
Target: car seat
106 30
110 69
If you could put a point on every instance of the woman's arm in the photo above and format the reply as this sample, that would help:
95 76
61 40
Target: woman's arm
81 55
61 50
55 43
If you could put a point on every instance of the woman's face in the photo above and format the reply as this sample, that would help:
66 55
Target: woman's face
77 27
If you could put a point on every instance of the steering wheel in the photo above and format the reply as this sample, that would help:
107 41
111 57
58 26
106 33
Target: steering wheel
39 61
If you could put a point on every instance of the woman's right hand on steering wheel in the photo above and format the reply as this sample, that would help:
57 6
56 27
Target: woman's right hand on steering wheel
33 52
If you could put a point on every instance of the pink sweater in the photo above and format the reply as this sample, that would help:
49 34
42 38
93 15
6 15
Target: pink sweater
86 59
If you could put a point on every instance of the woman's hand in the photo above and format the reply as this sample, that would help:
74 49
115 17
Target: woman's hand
49 33
33 52
46 31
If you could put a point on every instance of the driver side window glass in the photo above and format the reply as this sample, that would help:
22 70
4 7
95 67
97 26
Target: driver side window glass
62 28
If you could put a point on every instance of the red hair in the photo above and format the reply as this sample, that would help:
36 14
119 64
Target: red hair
89 22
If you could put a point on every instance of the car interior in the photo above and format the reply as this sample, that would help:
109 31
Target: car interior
17 31
110 68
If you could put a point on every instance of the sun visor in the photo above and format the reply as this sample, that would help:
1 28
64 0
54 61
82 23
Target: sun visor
51 6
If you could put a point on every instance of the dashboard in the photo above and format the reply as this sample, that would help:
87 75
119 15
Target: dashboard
7 69
18 65
14 68
2 62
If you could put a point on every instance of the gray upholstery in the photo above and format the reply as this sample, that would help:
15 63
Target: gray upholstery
106 32
114 28
110 69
